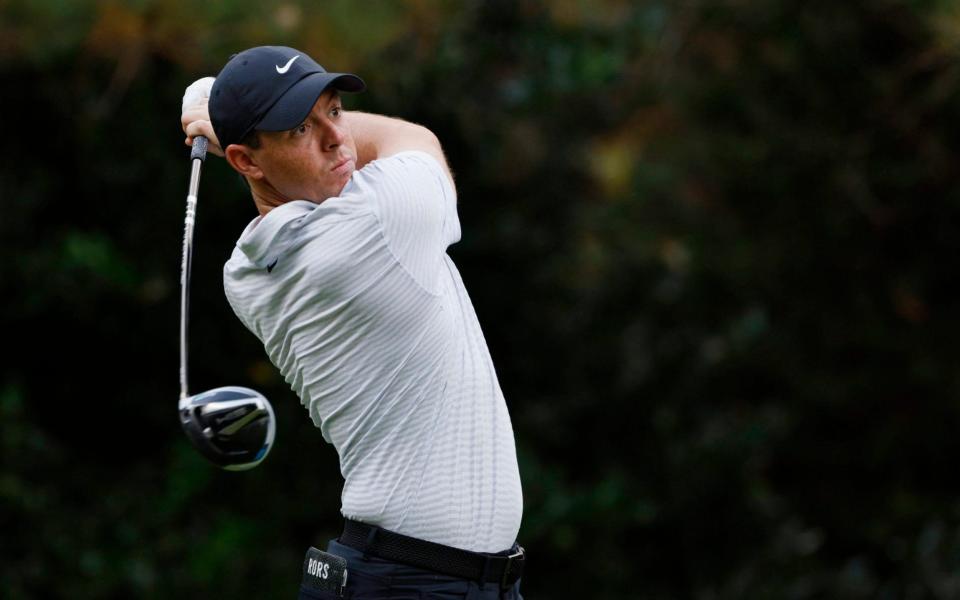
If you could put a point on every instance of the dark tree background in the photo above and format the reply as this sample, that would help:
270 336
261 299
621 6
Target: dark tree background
711 244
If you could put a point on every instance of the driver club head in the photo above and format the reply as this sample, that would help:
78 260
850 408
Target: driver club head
233 427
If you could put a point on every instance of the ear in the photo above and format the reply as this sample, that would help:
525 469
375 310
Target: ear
242 160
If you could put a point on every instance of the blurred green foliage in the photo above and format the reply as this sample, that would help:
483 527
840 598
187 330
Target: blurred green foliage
711 244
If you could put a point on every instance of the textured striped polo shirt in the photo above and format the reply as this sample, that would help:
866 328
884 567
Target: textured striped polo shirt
363 312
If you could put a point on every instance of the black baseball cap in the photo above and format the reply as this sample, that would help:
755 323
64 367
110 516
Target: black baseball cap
269 88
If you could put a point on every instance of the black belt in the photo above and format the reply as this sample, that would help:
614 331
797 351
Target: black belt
502 569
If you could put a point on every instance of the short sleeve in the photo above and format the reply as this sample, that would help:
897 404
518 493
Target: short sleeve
417 208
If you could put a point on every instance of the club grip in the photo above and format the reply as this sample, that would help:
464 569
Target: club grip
199 149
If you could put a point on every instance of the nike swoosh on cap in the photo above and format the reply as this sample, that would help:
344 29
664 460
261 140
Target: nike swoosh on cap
286 67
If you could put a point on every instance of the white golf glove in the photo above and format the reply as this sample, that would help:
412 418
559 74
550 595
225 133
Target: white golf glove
197 93
194 115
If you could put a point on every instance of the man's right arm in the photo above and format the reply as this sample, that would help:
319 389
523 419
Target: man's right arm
377 136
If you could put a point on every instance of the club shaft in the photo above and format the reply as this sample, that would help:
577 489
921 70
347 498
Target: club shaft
197 157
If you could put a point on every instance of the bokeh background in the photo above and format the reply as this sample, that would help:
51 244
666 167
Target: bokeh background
712 243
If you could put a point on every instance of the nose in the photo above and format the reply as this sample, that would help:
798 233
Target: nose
332 137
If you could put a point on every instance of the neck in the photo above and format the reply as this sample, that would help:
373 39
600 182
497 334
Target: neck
265 196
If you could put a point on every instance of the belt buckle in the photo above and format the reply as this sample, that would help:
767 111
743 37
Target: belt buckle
519 554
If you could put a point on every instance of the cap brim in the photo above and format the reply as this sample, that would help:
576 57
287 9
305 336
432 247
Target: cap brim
293 107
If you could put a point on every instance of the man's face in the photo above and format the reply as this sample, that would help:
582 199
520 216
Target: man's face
313 161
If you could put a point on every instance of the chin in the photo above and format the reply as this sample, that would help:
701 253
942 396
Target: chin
343 183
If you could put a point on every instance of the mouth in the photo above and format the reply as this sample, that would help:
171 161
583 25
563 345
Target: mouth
342 165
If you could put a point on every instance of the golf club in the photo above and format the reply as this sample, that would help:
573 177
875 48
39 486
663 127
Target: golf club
232 426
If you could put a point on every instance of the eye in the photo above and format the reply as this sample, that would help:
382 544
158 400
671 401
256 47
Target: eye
335 111
300 129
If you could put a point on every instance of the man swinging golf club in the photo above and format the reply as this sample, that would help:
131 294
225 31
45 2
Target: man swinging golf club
345 278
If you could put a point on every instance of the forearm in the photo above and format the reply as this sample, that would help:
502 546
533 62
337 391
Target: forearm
377 136
370 131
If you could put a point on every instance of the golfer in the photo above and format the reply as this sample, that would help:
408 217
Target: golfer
345 278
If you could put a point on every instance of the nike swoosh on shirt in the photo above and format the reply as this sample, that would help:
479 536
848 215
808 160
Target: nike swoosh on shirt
286 67
272 265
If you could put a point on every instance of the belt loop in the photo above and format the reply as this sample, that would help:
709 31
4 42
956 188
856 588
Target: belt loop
369 542
484 571
517 552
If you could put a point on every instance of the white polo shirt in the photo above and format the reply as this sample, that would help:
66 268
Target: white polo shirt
366 317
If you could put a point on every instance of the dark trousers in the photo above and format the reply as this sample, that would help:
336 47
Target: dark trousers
373 578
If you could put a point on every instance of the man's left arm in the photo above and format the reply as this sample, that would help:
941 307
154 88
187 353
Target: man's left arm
377 136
